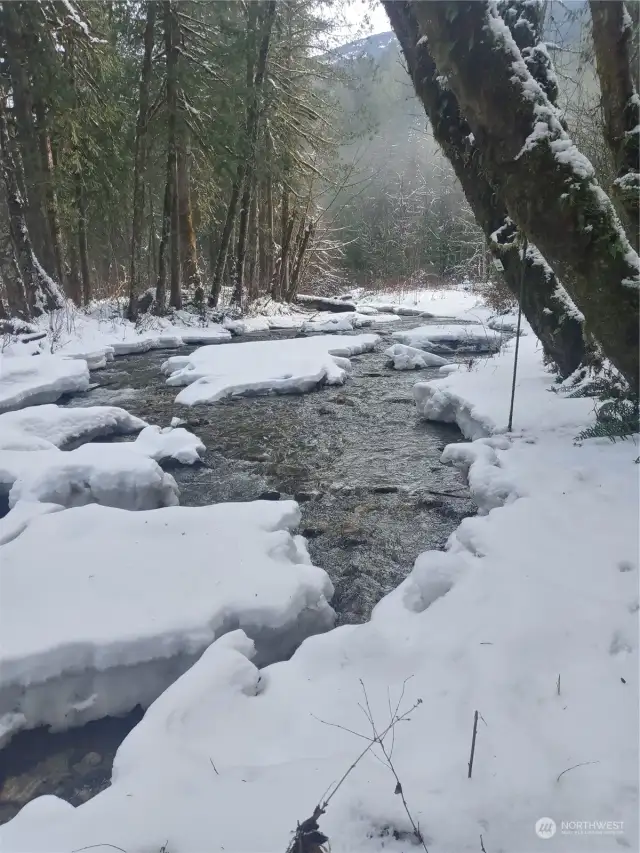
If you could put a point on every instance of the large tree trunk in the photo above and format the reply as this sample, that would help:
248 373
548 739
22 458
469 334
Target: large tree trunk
188 249
19 45
171 50
81 213
545 304
252 277
161 284
253 119
41 292
50 195
223 249
548 187
140 162
621 106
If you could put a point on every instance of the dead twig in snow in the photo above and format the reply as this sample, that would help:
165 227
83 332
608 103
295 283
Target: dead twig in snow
482 845
308 838
473 744
582 764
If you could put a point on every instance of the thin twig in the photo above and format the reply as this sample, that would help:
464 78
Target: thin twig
214 766
482 844
558 684
473 744
92 846
582 764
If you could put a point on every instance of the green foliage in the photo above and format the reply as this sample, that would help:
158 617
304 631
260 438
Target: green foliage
618 410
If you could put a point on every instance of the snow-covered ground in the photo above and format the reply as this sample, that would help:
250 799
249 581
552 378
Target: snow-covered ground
260 367
460 303
529 617
119 604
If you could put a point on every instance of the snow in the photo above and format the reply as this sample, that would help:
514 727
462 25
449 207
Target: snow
330 324
261 367
452 338
29 380
478 399
46 426
459 303
410 358
170 443
125 602
529 616
108 474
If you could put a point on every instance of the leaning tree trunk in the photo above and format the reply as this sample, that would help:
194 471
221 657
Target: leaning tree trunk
253 118
621 106
545 304
140 162
548 187
41 292
223 248
171 50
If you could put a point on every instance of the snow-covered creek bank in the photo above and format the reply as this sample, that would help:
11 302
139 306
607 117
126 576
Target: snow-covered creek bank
363 467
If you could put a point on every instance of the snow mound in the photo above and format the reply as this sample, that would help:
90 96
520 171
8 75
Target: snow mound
529 617
39 427
19 517
261 367
452 338
478 399
507 323
170 443
108 474
410 358
458 303
30 380
333 323
123 603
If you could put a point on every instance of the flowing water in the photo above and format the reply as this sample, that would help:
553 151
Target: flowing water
363 467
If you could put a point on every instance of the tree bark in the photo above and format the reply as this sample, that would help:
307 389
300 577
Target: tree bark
191 277
40 291
50 195
171 50
548 187
223 249
252 278
140 162
253 119
545 304
83 249
621 106
161 284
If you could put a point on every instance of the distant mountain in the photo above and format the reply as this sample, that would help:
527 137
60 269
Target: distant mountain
370 47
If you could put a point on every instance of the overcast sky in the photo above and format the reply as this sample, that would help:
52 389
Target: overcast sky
362 18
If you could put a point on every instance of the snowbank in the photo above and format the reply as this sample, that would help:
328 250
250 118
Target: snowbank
125 602
452 338
30 380
113 475
170 443
530 617
478 399
42 427
458 303
261 367
410 358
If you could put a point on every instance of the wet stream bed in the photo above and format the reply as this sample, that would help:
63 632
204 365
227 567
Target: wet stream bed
363 467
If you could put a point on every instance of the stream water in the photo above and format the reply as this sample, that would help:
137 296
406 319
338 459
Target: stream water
364 469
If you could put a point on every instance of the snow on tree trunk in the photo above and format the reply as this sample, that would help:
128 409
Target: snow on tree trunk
545 304
548 186
42 293
612 28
